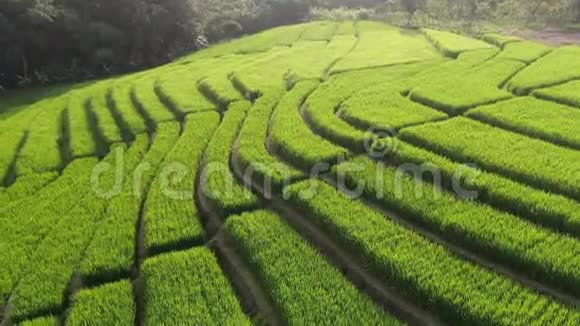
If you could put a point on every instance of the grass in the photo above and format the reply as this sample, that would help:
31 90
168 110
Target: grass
171 217
26 186
218 183
542 207
524 51
500 40
188 287
535 251
536 118
504 152
559 66
61 248
296 272
319 31
469 87
451 44
568 93
384 108
110 304
379 48
82 142
292 139
458 291
257 162
111 253
100 185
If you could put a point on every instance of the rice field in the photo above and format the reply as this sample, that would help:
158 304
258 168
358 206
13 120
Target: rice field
317 174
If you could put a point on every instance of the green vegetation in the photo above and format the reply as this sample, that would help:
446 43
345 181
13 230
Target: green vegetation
219 185
257 162
568 93
60 250
111 253
202 191
171 217
188 287
504 152
500 40
468 87
319 31
292 139
536 118
451 44
383 107
384 47
82 142
42 321
554 211
26 186
321 107
458 291
544 255
110 304
524 51
296 272
145 99
559 66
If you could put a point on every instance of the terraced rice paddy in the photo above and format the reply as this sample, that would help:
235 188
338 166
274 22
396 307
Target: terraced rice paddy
324 173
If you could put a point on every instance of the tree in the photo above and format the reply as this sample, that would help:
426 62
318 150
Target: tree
411 7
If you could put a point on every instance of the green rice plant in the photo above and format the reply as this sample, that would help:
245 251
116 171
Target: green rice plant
106 123
346 28
42 152
111 252
145 98
178 90
548 121
458 291
544 208
119 101
217 182
541 254
384 108
386 47
568 93
189 288
252 153
82 142
8 152
503 152
309 67
294 271
42 321
451 44
171 217
559 66
499 40
477 57
319 31
57 253
321 107
109 304
26 186
468 88
525 51
292 140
